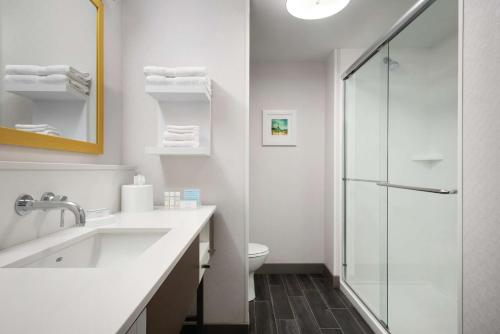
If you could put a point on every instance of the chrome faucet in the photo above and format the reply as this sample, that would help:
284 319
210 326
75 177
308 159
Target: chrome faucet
25 204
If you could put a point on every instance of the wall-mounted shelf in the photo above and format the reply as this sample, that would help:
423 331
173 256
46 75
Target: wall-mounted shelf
46 92
182 105
432 157
178 151
178 93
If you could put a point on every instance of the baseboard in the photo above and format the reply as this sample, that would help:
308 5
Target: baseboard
217 329
291 268
299 268
334 279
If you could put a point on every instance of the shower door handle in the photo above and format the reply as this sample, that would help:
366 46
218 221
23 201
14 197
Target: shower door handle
427 190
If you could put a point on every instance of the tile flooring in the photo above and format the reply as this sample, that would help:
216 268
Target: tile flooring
302 304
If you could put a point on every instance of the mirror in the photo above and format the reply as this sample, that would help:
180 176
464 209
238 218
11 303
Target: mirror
51 90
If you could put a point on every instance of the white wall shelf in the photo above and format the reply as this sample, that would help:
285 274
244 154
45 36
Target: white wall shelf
178 93
182 105
46 92
179 151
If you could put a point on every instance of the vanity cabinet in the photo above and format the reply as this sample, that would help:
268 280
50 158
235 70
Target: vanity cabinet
169 308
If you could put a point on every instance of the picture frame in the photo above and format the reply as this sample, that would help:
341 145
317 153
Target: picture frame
279 127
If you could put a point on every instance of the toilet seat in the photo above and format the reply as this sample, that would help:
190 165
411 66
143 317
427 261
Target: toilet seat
256 250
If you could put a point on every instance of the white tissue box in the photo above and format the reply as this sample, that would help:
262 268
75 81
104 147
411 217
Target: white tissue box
137 198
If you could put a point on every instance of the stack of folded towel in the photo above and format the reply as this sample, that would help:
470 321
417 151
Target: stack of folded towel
181 76
43 129
53 74
181 136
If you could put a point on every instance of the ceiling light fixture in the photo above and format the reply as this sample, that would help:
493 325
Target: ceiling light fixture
315 9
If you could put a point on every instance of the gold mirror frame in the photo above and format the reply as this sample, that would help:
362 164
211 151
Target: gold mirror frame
10 136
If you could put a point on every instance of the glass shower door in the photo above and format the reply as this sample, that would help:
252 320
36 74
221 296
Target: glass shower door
365 253
422 153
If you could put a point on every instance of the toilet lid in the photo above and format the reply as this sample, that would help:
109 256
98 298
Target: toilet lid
257 249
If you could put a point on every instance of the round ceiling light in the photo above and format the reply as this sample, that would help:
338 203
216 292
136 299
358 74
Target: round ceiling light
315 9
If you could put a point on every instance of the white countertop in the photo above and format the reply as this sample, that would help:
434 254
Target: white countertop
93 300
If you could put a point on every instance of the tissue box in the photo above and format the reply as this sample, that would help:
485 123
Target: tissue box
137 198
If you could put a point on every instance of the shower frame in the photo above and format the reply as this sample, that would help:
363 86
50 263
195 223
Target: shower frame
413 13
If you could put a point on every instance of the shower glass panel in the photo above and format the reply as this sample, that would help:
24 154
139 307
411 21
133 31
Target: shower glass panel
366 121
422 263
366 203
422 152
401 225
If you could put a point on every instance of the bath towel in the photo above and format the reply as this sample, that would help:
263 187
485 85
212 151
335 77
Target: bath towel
44 129
159 80
181 136
57 79
159 70
172 72
84 77
18 78
183 127
191 71
34 127
23 69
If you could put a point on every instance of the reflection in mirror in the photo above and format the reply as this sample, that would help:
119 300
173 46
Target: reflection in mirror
49 67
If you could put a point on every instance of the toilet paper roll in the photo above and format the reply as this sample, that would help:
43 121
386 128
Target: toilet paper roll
137 198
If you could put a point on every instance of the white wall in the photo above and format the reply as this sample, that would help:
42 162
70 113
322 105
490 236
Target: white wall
112 103
287 183
212 33
481 172
91 186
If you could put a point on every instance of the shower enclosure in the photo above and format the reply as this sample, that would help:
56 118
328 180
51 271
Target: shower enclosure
402 229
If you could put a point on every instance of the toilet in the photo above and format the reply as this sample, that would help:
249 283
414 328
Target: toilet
257 254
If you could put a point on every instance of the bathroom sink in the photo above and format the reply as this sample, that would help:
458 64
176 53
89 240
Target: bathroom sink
98 249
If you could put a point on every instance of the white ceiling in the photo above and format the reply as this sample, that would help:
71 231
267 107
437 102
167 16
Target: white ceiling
275 35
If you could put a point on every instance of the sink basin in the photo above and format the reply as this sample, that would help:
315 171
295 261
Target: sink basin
98 249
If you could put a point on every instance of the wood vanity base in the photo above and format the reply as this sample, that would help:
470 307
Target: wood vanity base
168 308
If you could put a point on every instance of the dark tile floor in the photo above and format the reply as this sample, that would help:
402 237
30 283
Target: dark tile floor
302 304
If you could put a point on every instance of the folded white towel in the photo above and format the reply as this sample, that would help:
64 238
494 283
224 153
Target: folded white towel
172 72
50 133
78 87
184 131
159 70
183 127
57 79
181 143
23 69
181 136
84 77
18 78
33 126
45 132
160 80
190 71
44 129
67 70
193 81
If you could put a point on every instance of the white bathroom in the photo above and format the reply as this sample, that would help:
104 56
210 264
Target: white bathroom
249 166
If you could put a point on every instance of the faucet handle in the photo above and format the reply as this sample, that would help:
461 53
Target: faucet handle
48 196
22 204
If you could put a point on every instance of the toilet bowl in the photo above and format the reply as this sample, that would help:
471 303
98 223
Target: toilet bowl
256 257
